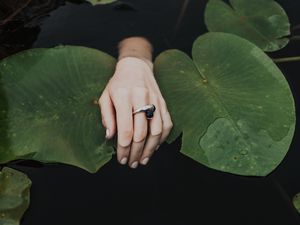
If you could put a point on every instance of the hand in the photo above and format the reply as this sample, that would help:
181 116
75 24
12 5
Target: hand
132 86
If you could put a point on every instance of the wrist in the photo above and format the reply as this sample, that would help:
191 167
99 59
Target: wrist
137 47
133 62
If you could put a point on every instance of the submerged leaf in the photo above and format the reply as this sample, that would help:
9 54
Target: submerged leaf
14 196
101 2
232 103
262 22
296 202
48 111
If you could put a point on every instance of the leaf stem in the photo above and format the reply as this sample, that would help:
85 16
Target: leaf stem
295 38
287 59
296 27
181 15
16 12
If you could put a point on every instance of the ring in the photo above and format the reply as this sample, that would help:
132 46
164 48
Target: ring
148 109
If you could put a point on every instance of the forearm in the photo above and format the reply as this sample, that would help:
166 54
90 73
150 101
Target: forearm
138 47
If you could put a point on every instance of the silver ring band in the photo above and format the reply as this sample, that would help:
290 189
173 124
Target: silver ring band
148 109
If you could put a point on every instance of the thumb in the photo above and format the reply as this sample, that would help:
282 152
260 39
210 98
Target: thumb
107 114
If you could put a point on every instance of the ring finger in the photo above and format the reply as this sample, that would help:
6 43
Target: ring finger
140 124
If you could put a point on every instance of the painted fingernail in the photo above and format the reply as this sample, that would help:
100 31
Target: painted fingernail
134 165
107 133
123 161
145 161
157 147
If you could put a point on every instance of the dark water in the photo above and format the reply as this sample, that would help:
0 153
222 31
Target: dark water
172 189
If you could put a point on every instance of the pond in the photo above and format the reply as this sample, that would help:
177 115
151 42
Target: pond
173 189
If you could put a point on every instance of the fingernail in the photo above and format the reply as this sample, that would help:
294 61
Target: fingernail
134 165
107 133
123 161
145 161
157 147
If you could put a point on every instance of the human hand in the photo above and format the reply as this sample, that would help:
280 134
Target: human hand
132 86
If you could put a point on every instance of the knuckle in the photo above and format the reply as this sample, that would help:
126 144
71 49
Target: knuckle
127 134
119 91
157 132
140 91
123 144
125 138
168 127
140 136
155 98
101 100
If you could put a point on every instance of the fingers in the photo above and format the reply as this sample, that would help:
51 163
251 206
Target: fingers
138 137
155 132
122 103
140 124
107 114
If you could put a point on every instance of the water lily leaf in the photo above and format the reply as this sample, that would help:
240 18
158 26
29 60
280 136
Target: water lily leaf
14 196
101 2
47 105
232 103
263 22
296 202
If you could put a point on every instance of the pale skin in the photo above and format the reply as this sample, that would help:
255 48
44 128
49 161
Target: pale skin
132 86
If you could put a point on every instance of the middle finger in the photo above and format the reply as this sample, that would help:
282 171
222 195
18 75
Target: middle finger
140 124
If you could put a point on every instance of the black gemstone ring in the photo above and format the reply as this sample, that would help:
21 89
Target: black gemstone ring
148 109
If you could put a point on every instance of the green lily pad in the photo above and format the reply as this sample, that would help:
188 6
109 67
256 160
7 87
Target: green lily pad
47 106
231 102
14 196
263 22
101 2
296 202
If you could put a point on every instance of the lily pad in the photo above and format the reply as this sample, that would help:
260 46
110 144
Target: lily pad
263 22
14 196
296 202
231 102
48 111
101 2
